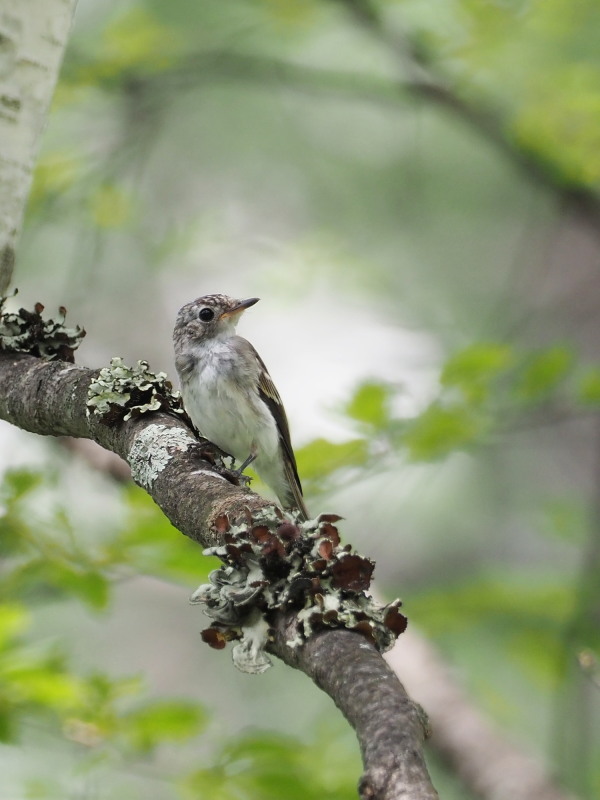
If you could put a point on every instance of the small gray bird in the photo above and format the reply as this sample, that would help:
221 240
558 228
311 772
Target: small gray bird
229 395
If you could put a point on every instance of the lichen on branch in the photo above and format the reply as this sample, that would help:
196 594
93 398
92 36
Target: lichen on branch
121 392
276 565
27 332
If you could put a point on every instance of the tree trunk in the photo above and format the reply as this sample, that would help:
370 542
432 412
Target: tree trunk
33 36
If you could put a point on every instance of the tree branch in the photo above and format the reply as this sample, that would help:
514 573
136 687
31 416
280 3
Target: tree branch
369 695
423 81
49 398
483 757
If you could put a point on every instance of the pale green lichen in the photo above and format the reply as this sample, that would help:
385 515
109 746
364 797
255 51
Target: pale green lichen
153 449
249 654
27 332
121 392
276 565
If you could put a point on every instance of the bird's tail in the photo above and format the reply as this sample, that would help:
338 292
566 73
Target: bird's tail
294 499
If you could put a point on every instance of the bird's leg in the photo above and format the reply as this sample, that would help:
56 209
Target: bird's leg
236 475
246 463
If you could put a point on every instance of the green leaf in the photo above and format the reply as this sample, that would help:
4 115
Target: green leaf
209 782
291 13
110 206
517 601
275 767
371 404
538 653
54 175
322 457
567 519
588 389
18 482
153 546
543 373
561 128
439 430
167 720
14 619
102 692
138 39
268 766
474 368
32 683
90 586
42 788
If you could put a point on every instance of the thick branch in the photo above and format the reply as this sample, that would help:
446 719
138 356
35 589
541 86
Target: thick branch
484 758
390 727
49 398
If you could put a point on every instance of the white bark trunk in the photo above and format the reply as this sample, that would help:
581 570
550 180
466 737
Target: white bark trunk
33 35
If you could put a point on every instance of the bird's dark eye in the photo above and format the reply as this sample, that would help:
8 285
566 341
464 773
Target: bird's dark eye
206 314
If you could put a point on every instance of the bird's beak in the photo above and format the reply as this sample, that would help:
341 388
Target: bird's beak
241 306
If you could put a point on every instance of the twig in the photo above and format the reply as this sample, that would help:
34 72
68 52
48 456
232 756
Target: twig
432 86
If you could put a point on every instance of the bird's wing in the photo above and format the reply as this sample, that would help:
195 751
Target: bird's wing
269 395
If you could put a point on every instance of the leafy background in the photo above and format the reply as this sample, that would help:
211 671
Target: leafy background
412 189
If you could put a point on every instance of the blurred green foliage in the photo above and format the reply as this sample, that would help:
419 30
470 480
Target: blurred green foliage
485 390
262 766
535 64
45 560
523 619
113 722
533 623
41 552
370 405
169 118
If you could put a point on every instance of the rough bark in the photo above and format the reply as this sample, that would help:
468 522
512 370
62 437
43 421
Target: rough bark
49 398
389 726
32 42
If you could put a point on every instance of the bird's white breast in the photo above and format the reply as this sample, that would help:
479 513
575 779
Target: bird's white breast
221 398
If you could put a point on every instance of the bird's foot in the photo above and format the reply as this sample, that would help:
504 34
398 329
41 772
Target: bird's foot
235 476
206 451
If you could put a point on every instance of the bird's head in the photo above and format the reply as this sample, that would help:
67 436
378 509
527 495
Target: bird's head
209 317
